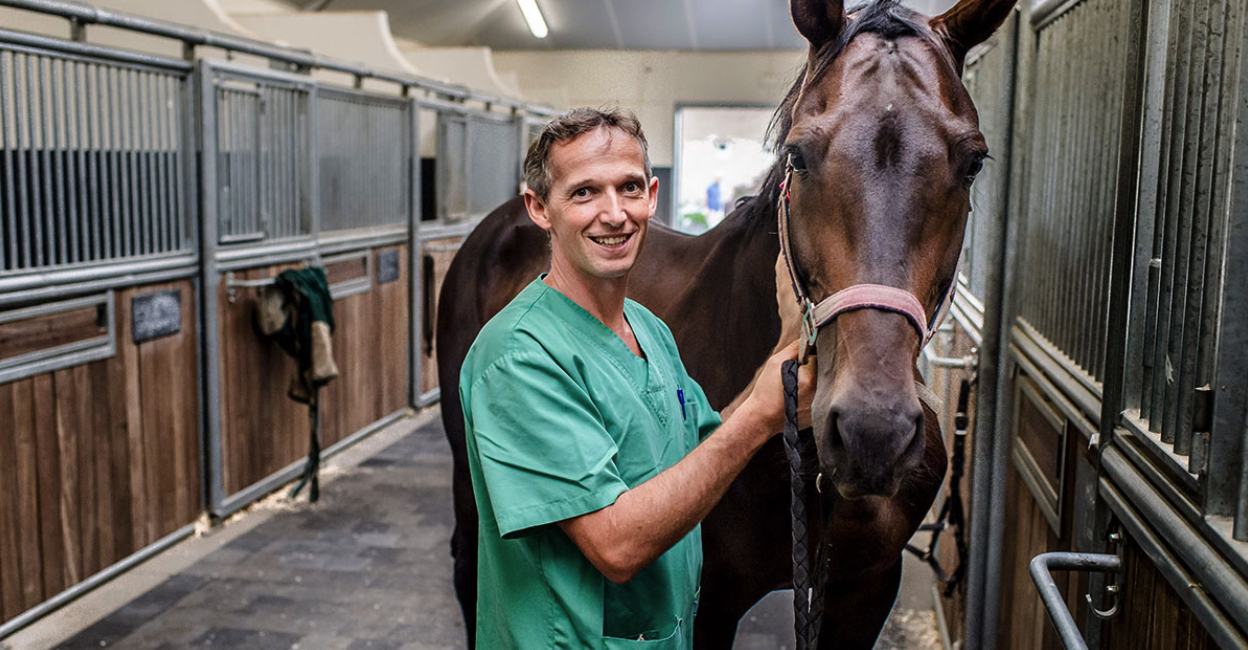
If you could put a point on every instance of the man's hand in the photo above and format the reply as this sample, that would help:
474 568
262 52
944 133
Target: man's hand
786 306
766 398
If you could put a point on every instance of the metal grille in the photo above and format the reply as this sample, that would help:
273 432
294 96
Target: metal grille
989 80
1182 221
494 156
1069 208
364 149
92 161
262 162
452 167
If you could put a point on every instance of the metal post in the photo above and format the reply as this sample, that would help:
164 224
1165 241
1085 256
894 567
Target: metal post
991 443
413 257
211 343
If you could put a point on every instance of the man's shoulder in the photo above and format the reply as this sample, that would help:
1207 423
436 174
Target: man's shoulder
512 332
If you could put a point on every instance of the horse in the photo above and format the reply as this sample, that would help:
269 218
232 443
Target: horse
879 144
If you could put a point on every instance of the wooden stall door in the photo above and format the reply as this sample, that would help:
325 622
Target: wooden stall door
99 459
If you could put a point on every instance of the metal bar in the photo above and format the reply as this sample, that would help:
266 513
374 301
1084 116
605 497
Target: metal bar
990 445
209 104
53 146
66 226
12 262
82 191
413 246
87 272
162 150
41 179
141 111
1054 601
126 216
86 14
93 108
108 170
60 600
21 107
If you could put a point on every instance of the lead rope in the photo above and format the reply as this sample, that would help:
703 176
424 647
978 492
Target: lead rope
808 580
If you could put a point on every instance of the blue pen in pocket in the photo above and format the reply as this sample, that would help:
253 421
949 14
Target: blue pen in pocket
680 395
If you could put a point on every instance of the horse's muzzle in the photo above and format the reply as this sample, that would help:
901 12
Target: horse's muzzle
868 446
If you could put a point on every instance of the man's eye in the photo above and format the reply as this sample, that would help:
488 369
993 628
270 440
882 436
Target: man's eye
632 187
581 193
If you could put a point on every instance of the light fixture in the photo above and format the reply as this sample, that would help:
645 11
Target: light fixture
533 16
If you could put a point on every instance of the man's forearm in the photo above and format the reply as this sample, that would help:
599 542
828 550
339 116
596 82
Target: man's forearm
644 522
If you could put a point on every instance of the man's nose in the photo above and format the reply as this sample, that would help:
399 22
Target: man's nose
613 211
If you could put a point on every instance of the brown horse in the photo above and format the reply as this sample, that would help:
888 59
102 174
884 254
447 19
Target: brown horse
883 143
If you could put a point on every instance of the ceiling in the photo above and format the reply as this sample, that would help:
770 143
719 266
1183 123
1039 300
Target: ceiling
594 24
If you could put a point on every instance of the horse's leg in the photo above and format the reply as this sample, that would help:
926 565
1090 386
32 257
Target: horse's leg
464 552
855 610
464 535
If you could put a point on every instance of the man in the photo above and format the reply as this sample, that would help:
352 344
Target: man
593 455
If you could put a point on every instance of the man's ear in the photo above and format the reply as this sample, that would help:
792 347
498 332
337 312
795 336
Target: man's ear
654 195
969 23
537 209
819 21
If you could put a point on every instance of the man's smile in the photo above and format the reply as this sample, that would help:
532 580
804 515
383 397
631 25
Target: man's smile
611 241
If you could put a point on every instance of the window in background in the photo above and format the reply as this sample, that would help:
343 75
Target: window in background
721 156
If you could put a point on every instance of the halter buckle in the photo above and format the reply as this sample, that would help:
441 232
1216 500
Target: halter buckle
810 331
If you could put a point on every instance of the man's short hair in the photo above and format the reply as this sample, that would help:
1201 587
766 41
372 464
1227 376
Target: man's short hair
569 126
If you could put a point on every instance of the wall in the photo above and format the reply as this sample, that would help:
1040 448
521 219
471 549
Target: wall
652 82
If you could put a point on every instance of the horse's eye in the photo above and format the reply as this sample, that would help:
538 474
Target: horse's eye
797 162
975 168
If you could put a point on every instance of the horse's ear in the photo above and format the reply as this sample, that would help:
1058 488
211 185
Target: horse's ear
819 21
971 22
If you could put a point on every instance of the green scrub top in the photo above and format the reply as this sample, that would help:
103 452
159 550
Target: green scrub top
560 419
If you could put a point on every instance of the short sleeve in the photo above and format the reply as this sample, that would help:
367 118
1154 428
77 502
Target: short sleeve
544 453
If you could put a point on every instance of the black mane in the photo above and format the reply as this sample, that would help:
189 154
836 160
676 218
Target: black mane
886 18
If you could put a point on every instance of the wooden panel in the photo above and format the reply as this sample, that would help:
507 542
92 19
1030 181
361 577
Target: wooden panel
352 269
1153 616
92 481
262 430
44 332
10 570
395 318
436 261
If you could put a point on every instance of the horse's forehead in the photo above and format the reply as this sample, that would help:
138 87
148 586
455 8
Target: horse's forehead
874 75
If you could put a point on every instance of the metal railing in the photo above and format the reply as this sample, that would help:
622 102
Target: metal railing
92 161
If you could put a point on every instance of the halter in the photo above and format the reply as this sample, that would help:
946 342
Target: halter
858 296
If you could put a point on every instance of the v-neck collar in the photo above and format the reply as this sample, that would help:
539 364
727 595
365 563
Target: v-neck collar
611 341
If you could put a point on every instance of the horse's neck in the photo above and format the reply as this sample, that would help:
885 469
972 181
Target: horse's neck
719 299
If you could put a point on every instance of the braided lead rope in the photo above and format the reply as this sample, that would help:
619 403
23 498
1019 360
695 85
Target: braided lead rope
807 584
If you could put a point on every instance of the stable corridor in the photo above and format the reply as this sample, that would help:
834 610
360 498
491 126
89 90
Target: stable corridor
365 568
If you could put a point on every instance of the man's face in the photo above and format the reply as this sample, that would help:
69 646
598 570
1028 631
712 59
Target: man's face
598 206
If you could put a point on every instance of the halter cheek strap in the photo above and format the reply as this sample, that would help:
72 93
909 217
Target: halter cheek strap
858 296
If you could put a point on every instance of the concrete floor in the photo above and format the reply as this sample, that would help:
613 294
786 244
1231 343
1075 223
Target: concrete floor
367 567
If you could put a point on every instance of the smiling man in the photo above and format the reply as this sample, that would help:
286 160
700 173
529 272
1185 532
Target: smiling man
593 455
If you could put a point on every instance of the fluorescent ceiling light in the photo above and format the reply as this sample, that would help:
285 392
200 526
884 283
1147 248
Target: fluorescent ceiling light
533 16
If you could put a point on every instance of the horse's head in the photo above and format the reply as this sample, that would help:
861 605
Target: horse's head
881 142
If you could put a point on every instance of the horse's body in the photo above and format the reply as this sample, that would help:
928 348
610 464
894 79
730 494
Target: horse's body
717 293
